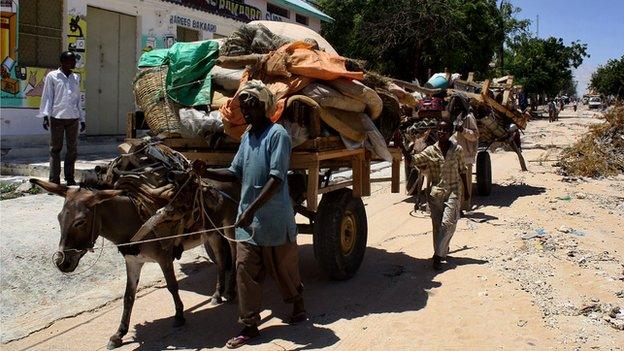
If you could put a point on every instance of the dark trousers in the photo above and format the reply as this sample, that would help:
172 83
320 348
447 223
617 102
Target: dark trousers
58 129
252 264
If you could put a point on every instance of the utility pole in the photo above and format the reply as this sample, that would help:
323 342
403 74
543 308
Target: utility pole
537 23
502 47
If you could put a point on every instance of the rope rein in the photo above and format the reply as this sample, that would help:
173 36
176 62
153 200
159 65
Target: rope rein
199 198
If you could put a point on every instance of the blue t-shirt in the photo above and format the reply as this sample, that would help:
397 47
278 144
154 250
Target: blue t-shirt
259 157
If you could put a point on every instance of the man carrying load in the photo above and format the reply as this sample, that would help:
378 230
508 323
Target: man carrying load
266 228
446 164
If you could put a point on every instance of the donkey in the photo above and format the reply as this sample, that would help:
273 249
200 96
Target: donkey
89 213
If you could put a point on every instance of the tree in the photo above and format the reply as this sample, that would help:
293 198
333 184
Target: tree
609 79
544 66
405 38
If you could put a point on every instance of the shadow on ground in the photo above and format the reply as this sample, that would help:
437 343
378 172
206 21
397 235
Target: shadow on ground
505 195
387 282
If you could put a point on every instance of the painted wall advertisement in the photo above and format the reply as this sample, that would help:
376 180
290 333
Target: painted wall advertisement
227 8
23 86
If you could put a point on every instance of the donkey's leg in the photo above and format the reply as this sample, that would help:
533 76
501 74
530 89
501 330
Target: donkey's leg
214 244
133 272
166 264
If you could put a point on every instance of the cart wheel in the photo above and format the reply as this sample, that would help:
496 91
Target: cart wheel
340 232
484 174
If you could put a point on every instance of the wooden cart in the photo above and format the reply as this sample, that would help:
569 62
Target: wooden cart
338 222
503 104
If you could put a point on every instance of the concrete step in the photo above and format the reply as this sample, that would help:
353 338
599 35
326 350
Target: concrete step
13 154
42 169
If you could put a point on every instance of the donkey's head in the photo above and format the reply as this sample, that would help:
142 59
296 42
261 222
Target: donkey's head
79 221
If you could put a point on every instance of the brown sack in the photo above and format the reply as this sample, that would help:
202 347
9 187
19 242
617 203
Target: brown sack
346 123
359 91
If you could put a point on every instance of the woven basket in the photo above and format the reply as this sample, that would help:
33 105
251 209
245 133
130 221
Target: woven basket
161 113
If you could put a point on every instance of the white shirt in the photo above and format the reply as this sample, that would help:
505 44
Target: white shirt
61 96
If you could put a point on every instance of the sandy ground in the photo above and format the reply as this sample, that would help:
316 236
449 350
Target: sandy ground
536 265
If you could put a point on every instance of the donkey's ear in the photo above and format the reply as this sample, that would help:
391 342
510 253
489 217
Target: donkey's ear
100 196
60 190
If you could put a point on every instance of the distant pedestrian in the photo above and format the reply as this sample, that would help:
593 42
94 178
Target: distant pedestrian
552 110
445 162
62 115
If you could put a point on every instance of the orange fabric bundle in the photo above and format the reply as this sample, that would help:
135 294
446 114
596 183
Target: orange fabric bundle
280 87
299 58
286 71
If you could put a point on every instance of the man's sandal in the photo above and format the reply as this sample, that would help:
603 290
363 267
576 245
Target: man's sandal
237 341
241 339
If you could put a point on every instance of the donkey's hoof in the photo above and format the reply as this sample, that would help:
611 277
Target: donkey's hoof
114 342
230 298
179 321
216 300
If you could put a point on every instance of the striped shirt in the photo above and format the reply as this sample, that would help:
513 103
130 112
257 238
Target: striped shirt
444 172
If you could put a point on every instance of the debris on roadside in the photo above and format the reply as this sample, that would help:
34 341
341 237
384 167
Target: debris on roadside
606 312
12 190
600 153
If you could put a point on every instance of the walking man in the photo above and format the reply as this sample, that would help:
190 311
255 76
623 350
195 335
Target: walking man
446 164
552 110
266 222
467 136
61 112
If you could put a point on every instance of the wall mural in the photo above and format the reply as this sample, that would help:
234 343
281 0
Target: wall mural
77 42
151 40
23 86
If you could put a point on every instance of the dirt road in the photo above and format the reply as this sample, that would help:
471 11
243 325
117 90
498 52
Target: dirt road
537 265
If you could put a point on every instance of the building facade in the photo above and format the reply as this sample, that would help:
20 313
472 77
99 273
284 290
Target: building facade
109 36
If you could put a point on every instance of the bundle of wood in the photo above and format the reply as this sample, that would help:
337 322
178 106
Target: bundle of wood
493 103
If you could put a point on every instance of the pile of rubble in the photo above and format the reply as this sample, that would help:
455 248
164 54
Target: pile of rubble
600 153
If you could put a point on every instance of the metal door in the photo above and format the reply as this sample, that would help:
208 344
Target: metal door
111 62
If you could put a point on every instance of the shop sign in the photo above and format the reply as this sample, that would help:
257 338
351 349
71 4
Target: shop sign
237 10
192 23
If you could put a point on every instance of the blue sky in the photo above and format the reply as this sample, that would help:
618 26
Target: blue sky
599 23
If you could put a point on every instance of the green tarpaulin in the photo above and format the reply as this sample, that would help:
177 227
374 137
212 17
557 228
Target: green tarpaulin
153 58
188 79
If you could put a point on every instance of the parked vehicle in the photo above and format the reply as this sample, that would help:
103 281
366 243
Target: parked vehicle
595 103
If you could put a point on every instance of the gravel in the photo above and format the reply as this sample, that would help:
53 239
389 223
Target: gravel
34 292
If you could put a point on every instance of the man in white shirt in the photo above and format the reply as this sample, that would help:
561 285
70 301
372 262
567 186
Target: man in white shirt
61 112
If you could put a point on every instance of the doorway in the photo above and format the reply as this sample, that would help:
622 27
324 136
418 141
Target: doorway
186 35
111 66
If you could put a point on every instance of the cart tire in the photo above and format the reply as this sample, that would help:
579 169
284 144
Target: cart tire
340 233
484 174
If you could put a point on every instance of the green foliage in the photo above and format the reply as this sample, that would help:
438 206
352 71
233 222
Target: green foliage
405 38
35 190
609 79
7 187
544 66
7 191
